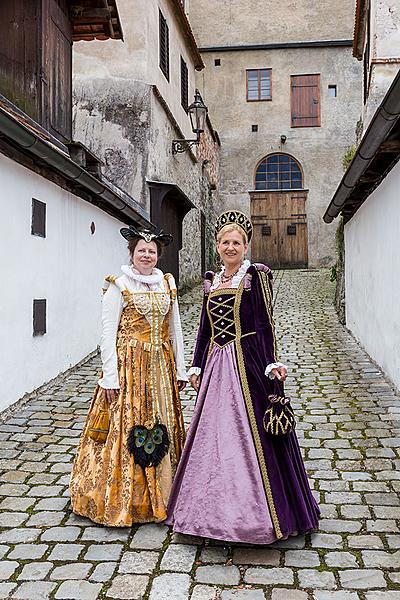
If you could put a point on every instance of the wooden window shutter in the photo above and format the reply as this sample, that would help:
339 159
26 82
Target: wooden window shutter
57 70
164 45
184 85
305 101
39 317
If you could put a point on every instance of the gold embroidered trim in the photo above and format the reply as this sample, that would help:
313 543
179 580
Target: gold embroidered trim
249 333
251 415
268 305
218 318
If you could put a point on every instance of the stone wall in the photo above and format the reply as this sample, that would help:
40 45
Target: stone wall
229 22
319 150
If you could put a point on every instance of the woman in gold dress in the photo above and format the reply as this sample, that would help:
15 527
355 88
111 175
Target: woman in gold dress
127 479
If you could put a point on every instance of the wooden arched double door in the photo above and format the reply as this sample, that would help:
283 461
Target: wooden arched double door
280 228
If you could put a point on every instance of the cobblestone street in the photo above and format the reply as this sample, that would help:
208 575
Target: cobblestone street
349 429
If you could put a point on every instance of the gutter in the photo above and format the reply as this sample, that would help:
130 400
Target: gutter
279 46
380 127
25 138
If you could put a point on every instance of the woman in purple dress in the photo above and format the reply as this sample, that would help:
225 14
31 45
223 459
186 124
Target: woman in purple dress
235 482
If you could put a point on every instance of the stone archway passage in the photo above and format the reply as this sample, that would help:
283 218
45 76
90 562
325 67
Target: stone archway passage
168 206
280 236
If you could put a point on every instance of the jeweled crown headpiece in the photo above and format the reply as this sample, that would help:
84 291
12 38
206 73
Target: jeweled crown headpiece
234 217
131 232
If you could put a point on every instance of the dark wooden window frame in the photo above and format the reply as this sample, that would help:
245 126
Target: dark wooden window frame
184 85
163 45
318 124
38 222
39 316
269 69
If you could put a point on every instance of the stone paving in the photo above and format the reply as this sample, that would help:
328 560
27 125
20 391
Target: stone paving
349 429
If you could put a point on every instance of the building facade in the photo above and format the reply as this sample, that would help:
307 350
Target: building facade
60 218
131 102
285 94
367 197
376 45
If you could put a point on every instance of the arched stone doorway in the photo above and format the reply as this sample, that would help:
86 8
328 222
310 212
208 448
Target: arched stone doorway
168 206
278 213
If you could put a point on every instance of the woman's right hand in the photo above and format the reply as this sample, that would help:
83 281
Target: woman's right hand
195 381
111 395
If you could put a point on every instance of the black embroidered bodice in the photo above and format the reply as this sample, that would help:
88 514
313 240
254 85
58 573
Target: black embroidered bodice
221 313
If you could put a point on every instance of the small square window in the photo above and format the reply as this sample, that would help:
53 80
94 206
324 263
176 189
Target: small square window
39 317
332 91
38 225
254 127
217 62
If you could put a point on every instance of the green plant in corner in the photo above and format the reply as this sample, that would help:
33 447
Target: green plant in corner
348 156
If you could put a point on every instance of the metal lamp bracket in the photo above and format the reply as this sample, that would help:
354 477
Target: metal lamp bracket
183 145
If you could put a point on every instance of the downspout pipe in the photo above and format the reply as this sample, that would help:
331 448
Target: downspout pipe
32 143
382 123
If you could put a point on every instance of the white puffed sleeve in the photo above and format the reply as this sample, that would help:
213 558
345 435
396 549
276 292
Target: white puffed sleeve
275 365
111 314
176 336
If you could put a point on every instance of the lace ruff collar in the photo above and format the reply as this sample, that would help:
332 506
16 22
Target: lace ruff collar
235 280
156 276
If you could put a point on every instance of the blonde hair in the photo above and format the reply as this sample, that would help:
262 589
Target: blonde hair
232 227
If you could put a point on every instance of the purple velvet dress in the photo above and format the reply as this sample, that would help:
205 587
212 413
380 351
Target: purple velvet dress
235 482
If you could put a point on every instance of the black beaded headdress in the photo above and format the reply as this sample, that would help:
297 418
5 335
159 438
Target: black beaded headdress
234 217
131 232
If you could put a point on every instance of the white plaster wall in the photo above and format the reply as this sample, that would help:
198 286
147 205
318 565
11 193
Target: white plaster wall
67 268
372 265
137 57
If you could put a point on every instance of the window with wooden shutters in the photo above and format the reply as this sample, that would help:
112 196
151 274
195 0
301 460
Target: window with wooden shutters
184 85
164 45
258 85
305 101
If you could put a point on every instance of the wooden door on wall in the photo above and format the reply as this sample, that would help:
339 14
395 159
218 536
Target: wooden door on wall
280 229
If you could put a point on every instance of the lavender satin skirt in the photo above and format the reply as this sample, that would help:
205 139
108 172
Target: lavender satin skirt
218 490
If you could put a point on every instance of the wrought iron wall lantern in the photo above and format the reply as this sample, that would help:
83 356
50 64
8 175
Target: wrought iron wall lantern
197 112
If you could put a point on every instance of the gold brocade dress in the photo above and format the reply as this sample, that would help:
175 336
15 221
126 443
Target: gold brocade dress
106 486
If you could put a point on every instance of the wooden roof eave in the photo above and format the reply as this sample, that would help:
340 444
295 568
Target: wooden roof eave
360 23
187 31
95 20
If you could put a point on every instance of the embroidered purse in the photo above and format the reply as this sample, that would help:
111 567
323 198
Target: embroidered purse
99 422
279 417
148 445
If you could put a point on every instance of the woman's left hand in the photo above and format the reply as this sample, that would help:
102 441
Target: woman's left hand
181 385
280 373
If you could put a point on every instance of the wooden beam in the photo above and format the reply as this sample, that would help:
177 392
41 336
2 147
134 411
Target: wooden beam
90 16
390 146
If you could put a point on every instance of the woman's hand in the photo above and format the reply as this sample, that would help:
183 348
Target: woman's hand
280 373
195 381
181 385
111 395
